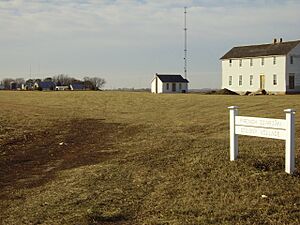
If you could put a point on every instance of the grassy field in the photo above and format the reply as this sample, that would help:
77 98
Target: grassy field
140 158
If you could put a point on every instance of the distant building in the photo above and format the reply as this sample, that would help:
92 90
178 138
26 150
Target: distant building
164 83
77 87
45 86
62 88
27 87
13 85
273 67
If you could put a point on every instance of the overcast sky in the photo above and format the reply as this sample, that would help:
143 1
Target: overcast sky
128 41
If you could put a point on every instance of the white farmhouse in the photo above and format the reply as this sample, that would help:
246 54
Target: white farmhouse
163 83
273 67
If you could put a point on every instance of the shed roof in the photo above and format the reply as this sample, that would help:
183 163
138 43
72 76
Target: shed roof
279 48
172 78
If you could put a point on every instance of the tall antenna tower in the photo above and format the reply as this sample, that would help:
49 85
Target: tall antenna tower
185 44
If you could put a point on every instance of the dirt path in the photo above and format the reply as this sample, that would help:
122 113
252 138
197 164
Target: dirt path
33 160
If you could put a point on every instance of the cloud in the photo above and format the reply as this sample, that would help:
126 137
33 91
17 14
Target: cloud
129 40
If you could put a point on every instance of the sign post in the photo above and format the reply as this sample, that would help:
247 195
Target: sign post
234 148
264 127
290 141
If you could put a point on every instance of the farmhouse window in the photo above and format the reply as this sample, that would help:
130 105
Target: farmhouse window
274 79
262 61
240 80
291 59
230 80
230 62
241 62
291 81
180 86
167 86
251 80
251 62
274 60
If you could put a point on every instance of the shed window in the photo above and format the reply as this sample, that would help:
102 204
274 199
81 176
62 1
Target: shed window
180 87
291 59
167 86
291 81
173 87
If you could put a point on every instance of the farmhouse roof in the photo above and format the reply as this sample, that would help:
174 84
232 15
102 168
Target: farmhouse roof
278 48
172 78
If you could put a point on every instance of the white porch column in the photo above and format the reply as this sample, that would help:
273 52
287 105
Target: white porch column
290 141
233 112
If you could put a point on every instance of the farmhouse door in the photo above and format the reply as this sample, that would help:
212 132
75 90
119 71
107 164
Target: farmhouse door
291 82
262 82
173 87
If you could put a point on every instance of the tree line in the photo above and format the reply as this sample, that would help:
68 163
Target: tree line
91 83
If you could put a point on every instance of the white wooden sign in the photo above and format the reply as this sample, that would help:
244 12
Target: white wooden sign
264 127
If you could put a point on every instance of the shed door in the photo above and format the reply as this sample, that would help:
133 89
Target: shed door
173 87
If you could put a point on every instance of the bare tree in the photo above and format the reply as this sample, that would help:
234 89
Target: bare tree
48 79
63 79
20 81
6 83
100 82
96 82
29 82
37 80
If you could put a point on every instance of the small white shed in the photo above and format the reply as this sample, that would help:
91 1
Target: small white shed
166 83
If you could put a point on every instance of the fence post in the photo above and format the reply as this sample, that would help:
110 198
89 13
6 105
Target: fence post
290 141
234 149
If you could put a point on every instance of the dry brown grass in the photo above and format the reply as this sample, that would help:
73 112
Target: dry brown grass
168 160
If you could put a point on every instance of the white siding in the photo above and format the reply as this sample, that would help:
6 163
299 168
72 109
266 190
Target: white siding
256 70
160 86
153 85
293 68
184 87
